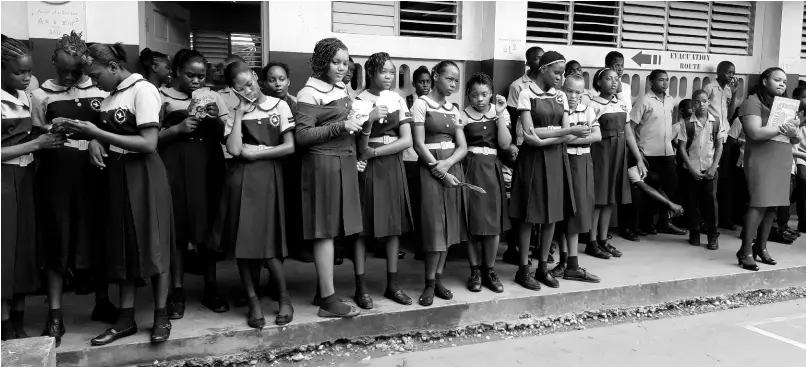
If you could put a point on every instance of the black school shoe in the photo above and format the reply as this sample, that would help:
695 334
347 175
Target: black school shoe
176 307
671 229
558 270
489 279
629 235
55 328
580 275
546 278
215 302
593 249
474 281
111 334
526 280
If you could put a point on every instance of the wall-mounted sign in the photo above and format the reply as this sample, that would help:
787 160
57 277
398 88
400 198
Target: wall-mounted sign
52 20
673 60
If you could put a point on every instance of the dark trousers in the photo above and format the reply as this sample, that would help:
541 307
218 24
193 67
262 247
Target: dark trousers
662 176
628 214
701 208
782 212
800 193
724 193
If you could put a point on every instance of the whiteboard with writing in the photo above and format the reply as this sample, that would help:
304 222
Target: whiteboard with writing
54 19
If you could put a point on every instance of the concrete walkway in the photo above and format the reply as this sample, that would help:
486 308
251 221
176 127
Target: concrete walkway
768 335
658 269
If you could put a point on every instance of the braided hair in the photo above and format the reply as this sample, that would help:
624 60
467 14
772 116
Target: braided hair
374 65
478 79
13 49
184 57
104 54
149 58
323 53
72 44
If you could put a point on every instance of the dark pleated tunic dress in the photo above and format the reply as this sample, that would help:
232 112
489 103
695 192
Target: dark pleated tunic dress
385 197
582 174
293 190
20 267
487 214
610 154
140 228
251 220
67 184
195 165
541 184
443 215
331 204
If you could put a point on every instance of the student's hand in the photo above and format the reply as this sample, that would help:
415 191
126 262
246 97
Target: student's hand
675 211
97 154
581 131
85 128
711 172
440 168
450 181
212 110
642 171
368 154
378 113
513 152
790 128
734 84
697 175
362 165
188 125
353 126
244 106
248 153
500 104
50 141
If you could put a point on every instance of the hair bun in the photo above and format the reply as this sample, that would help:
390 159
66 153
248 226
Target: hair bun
119 51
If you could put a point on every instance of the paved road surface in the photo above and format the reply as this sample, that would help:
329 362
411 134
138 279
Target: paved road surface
769 335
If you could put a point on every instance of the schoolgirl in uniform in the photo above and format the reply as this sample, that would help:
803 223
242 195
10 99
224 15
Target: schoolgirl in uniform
331 205
440 143
541 185
251 223
486 128
610 159
385 200
156 67
139 218
67 185
20 272
582 181
189 146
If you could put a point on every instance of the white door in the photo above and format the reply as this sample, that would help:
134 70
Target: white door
167 27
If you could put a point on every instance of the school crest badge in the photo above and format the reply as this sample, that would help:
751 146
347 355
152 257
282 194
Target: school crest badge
623 107
120 116
95 104
559 98
274 120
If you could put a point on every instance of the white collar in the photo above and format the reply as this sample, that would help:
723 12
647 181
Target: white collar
7 97
478 116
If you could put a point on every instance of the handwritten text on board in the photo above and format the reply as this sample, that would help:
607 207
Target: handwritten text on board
48 20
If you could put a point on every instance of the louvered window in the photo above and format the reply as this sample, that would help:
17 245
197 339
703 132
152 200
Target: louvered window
803 37
440 19
548 22
689 26
643 25
216 46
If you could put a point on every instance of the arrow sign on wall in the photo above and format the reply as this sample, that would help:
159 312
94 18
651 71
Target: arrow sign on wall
640 58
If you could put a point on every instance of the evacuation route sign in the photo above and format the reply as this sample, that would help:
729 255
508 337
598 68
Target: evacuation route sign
672 60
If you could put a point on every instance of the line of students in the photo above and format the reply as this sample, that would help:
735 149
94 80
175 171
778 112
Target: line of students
163 199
